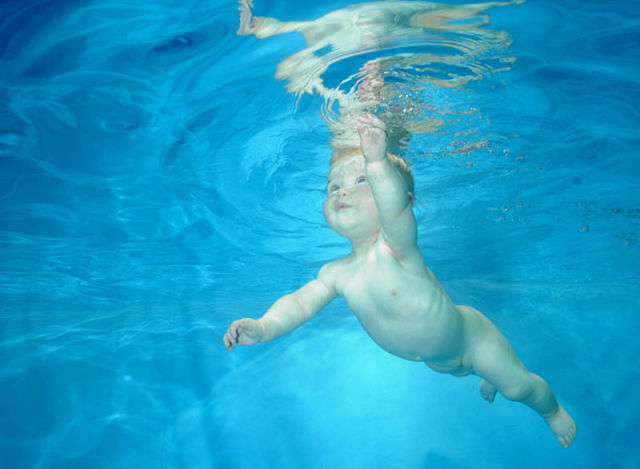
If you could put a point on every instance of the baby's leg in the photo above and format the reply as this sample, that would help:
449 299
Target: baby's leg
493 359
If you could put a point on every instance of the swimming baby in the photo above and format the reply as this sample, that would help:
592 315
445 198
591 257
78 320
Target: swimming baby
394 295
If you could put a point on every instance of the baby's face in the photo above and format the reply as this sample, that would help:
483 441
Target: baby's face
350 209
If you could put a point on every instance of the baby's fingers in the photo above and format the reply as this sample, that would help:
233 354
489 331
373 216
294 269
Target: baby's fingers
227 342
369 119
231 337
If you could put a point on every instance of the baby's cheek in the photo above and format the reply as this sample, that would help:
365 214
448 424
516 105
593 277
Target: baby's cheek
325 209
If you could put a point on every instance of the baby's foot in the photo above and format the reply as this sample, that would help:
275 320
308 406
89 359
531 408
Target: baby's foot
488 391
563 426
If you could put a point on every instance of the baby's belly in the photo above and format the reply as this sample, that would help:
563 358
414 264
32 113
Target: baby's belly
408 315
425 336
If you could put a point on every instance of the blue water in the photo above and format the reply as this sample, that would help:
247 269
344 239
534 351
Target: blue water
157 182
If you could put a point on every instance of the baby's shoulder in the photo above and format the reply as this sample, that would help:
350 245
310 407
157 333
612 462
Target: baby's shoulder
331 271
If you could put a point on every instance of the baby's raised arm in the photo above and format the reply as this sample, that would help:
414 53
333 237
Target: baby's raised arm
390 190
287 313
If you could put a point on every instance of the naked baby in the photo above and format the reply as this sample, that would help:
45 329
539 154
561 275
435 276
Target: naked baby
384 280
394 295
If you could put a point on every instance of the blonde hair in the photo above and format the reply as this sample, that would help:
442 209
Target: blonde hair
396 160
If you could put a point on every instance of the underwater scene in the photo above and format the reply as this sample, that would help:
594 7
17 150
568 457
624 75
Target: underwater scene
340 234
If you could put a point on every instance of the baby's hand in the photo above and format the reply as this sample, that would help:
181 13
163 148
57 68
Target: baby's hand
243 332
373 137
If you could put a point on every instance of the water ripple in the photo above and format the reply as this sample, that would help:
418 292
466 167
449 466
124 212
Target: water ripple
413 50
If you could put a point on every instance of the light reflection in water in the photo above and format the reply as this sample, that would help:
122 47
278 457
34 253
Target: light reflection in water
390 58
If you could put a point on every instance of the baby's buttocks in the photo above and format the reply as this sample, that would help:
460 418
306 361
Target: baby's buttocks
455 366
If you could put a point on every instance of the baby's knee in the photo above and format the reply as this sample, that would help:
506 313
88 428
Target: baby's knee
518 391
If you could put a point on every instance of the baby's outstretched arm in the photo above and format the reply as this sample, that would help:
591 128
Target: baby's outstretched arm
287 313
390 189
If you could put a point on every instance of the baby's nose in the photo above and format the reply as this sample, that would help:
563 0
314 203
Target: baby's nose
343 192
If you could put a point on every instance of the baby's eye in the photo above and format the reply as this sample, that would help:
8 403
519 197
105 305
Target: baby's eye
334 188
361 179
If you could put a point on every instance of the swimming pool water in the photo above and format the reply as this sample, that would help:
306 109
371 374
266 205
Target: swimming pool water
157 182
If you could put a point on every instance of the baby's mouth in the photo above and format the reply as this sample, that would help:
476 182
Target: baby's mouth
342 206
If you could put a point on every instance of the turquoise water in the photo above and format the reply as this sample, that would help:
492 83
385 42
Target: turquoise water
157 182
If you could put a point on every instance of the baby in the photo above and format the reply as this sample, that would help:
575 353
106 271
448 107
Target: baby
393 293
384 280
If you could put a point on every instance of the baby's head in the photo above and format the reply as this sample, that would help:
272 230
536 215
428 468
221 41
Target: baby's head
397 161
350 208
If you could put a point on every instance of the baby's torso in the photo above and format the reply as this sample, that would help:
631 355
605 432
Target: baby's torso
401 305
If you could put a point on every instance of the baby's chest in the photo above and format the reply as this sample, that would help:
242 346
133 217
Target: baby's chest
376 287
